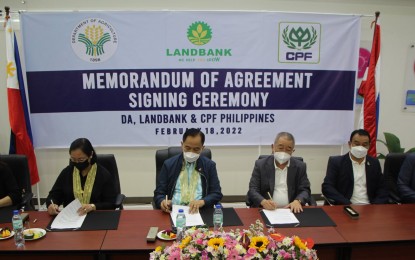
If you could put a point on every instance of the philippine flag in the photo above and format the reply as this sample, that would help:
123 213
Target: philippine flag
20 138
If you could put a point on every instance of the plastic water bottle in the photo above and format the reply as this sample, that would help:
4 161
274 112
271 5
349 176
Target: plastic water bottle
180 225
217 218
18 229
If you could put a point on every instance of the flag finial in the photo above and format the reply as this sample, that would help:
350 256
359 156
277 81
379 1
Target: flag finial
377 14
7 9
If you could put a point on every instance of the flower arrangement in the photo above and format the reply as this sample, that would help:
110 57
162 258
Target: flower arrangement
200 243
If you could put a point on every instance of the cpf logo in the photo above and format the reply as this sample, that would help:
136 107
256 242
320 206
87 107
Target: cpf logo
94 40
299 42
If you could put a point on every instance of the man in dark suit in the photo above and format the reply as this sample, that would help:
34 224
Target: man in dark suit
406 179
278 180
355 178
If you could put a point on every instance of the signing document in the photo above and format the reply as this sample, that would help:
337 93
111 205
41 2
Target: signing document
69 218
191 219
281 216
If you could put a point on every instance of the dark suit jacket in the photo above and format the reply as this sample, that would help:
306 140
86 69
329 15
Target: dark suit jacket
406 179
103 192
170 172
263 181
339 181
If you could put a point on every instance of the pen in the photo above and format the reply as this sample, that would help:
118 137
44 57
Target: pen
269 195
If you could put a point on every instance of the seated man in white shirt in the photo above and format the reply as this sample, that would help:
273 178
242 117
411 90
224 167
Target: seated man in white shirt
279 180
355 178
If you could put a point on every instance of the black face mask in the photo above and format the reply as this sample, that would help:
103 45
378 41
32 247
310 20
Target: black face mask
81 165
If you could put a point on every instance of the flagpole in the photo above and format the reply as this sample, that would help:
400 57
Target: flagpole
17 122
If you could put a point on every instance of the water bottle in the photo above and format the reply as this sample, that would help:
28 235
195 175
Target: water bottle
18 229
180 225
217 218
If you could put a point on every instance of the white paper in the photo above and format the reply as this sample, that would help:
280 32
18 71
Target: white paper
281 216
191 219
69 218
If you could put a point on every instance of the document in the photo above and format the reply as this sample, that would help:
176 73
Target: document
69 218
191 219
280 216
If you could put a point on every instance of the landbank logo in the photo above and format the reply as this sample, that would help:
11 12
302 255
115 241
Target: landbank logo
299 42
199 34
94 40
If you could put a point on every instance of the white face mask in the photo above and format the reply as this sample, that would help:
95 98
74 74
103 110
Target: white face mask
190 157
282 157
358 151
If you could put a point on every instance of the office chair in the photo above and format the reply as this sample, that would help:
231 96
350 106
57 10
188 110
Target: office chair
19 166
164 154
108 162
312 201
393 163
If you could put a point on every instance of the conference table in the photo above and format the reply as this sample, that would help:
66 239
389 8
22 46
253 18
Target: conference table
381 232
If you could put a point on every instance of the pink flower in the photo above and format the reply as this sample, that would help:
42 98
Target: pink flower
199 241
251 251
205 255
174 255
231 243
233 254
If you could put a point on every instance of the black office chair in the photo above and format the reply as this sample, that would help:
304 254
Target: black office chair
19 166
108 162
312 201
164 154
393 163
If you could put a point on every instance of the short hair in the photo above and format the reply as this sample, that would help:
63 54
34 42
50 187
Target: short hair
286 135
193 132
85 146
361 132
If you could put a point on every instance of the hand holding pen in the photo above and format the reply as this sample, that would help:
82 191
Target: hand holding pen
53 208
165 205
269 204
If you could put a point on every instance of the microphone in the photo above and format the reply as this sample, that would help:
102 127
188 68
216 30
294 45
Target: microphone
327 200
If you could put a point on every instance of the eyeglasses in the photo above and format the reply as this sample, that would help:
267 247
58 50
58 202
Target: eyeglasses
78 160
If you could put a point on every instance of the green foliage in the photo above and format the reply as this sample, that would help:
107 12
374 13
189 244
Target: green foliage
393 144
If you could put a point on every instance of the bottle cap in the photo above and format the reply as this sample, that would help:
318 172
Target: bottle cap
218 206
181 211
15 212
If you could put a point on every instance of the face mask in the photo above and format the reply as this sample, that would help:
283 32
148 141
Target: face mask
358 151
282 157
81 165
191 157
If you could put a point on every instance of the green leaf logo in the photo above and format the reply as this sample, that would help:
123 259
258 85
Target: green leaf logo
199 33
299 38
94 40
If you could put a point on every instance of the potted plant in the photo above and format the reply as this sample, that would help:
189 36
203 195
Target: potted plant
393 144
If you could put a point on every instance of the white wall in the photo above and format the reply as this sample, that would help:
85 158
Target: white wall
234 163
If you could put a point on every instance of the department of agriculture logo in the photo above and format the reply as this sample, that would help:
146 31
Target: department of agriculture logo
94 40
299 42
199 33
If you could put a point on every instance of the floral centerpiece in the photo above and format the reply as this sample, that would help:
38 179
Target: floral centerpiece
200 243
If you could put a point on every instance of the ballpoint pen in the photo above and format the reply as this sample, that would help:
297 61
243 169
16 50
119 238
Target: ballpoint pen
269 195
